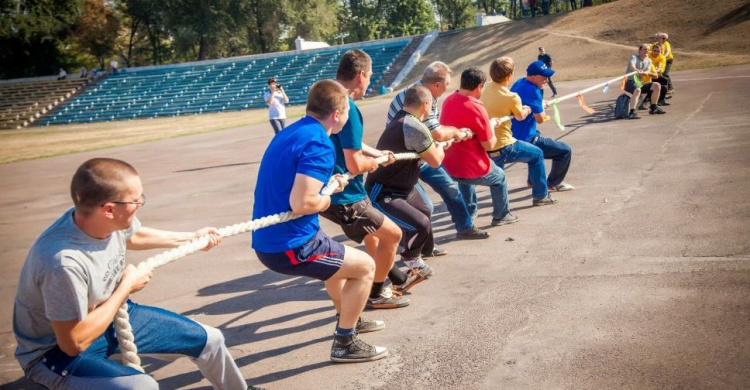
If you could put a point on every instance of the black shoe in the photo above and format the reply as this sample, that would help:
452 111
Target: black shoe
350 349
642 107
656 110
436 252
663 103
633 115
472 234
365 325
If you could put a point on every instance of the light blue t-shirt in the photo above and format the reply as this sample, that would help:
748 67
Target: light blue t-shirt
304 148
350 137
531 96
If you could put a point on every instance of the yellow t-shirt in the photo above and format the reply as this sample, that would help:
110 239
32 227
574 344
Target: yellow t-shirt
647 78
500 101
659 62
667 47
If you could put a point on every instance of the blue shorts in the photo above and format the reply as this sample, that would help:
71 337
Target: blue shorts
320 257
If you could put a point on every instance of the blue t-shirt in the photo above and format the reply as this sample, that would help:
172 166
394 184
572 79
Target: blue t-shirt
350 137
531 96
303 147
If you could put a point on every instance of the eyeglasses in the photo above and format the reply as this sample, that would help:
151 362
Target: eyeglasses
140 202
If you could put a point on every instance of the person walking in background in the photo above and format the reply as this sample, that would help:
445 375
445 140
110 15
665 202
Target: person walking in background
275 97
544 57
573 5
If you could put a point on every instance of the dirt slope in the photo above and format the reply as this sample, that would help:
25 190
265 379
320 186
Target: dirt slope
596 41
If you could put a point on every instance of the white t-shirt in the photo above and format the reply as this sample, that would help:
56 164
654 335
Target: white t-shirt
276 109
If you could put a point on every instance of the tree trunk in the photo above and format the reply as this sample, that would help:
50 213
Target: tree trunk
202 48
133 29
259 26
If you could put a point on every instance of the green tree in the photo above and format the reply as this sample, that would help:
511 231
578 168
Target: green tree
97 30
199 26
407 17
311 19
32 36
456 13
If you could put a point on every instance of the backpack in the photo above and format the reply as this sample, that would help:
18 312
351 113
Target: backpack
622 107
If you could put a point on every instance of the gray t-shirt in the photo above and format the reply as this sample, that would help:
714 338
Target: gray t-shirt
640 64
66 274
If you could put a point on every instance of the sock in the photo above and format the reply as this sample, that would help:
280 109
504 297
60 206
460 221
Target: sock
653 106
632 110
377 288
397 276
344 331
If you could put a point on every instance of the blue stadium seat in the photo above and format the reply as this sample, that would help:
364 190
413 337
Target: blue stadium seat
212 86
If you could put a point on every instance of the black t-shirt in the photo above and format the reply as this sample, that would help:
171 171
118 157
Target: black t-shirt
546 59
405 133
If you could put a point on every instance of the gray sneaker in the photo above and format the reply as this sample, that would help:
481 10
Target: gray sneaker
472 234
365 325
507 220
413 278
420 266
350 349
546 201
386 300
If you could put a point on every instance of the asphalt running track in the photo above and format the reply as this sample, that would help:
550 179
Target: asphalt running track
639 279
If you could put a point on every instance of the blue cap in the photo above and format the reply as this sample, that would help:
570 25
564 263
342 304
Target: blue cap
538 68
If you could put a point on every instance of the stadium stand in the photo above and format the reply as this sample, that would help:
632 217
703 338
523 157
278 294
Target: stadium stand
214 86
22 103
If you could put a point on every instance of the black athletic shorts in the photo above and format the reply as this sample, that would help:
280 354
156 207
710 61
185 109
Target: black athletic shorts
356 219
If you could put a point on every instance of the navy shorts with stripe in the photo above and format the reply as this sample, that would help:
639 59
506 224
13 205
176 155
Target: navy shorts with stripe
319 257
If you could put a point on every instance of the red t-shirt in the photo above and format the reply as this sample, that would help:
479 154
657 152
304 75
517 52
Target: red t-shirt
467 159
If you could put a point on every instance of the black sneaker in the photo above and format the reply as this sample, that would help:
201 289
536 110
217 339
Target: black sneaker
472 234
256 388
656 110
365 325
350 349
642 107
546 201
507 220
413 278
664 103
633 115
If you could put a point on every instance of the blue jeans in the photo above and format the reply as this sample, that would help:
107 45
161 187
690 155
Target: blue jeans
560 154
521 151
495 179
156 331
447 188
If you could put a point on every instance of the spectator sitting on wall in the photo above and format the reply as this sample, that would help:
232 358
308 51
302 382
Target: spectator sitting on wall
62 75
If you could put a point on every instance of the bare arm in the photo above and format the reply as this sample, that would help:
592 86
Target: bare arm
74 336
150 238
434 155
444 133
305 197
490 144
357 162
283 93
521 115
